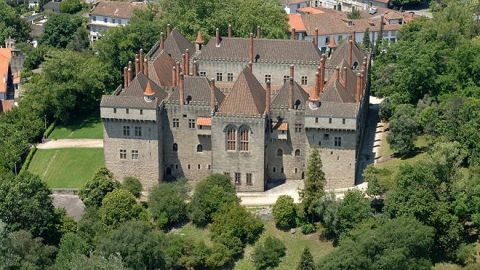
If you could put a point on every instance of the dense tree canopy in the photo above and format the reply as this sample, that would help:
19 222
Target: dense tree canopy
167 204
119 206
95 189
11 25
59 30
268 253
284 212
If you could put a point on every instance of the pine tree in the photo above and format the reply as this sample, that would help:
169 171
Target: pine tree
366 39
313 190
306 261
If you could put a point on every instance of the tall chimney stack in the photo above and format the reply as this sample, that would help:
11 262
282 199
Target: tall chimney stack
315 93
184 64
137 64
290 94
259 32
169 29
217 37
177 67
354 37
315 38
336 73
267 97
195 68
250 66
359 88
125 77
174 76
350 53
162 42
212 95
229 30
187 62
344 71
293 34
145 67
292 72
322 74
251 47
129 72
141 59
181 86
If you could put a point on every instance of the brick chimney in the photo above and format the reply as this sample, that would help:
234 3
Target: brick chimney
229 30
354 38
199 40
315 38
315 92
251 47
212 95
137 64
174 76
145 67
129 72
322 74
162 41
344 71
177 67
195 67
290 94
187 62
293 34
336 73
350 53
217 37
259 32
267 97
359 87
292 72
141 58
250 66
125 77
181 88
169 29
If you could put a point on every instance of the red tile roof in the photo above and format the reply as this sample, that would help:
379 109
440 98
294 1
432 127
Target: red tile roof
6 105
5 57
204 121
295 21
310 10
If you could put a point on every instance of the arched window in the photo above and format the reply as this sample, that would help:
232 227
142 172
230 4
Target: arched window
297 152
199 148
231 139
279 152
175 147
244 139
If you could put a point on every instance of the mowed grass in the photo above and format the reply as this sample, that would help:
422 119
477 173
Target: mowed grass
67 167
90 128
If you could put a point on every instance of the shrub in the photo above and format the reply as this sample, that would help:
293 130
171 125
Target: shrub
284 212
133 185
269 253
28 159
119 206
96 188
308 228
167 204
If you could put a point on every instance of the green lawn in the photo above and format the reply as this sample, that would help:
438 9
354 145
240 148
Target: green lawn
90 128
67 167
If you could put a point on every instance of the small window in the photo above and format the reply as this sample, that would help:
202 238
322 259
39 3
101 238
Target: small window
199 166
203 73
298 128
127 111
304 80
282 170
249 179
285 78
175 147
230 77
175 123
274 169
343 121
138 131
114 110
316 119
113 21
326 136
219 77
126 131
268 78
199 148
238 179
123 154
338 141
296 170
104 19
191 123
226 174
134 154
141 111
279 152
244 140
188 166
297 152
209 166
231 139
329 120
94 18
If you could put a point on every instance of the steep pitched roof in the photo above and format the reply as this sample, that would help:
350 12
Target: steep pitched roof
295 21
176 44
281 99
137 87
160 69
117 9
341 53
198 88
336 90
247 96
5 57
264 50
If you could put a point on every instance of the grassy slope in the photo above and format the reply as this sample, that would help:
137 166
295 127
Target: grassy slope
90 128
66 168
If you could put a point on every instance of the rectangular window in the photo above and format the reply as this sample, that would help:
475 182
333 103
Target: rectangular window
298 128
244 140
326 136
191 123
231 139
114 110
338 141
249 179
127 111
268 77
113 20
141 111
104 19
316 119
138 131
343 121
126 131
134 154
175 123
123 154
230 77
285 78
329 120
203 73
219 77
304 80
238 181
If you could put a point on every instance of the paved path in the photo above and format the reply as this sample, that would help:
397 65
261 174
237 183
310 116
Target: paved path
71 143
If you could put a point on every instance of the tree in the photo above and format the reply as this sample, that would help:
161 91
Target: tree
268 253
11 25
80 41
70 6
403 130
401 243
313 191
306 261
353 210
66 223
95 262
91 227
284 212
133 185
366 39
211 194
59 30
138 244
372 175
119 206
235 220
71 246
355 14
167 204
19 250
25 204
96 188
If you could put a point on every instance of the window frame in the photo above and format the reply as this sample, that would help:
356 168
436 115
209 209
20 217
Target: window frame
135 154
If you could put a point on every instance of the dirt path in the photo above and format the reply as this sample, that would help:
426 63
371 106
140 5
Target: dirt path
72 143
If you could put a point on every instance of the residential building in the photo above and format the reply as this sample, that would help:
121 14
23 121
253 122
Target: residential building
109 14
174 119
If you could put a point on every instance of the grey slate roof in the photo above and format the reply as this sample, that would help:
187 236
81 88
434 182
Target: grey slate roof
341 53
334 109
281 99
128 102
175 45
160 69
264 50
137 87
198 88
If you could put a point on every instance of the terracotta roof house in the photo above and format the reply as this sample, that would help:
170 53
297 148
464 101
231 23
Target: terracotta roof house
248 108
6 76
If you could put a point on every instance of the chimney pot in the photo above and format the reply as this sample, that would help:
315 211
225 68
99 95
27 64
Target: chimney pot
359 87
344 70
259 32
141 59
229 30
322 74
354 36
169 29
145 67
174 76
217 37
129 71
314 94
267 97
125 77
350 53
292 72
290 94
162 43
137 64
187 62
212 95
251 47
195 68
182 91
315 38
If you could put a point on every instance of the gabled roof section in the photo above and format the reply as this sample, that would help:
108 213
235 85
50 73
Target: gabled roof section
198 88
281 99
247 96
137 87
5 57
336 90
286 51
176 44
117 9
160 69
341 53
